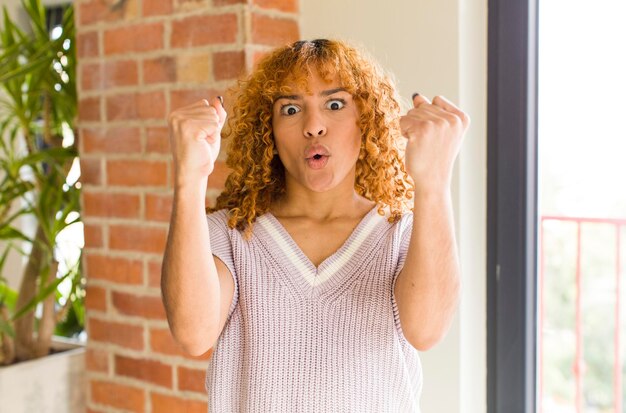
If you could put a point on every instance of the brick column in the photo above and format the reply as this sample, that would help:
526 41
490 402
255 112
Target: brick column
138 60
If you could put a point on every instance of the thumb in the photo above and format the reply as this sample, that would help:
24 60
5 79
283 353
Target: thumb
218 104
419 100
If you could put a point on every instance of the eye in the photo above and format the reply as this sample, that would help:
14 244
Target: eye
289 109
336 104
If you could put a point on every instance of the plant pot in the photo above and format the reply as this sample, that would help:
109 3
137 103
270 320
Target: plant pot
51 384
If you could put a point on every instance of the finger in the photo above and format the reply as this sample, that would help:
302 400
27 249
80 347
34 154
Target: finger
206 113
204 131
198 104
218 103
445 104
424 111
421 122
419 100
201 130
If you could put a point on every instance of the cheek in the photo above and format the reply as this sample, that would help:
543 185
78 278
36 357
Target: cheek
355 142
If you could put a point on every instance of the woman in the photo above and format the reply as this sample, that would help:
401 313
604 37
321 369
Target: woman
315 285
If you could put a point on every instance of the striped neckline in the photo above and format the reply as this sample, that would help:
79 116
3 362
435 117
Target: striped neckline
286 251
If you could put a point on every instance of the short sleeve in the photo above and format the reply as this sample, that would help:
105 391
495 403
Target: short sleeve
403 236
222 247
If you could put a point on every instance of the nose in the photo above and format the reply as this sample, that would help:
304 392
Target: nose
314 125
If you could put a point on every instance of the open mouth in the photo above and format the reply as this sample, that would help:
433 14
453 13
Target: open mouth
316 156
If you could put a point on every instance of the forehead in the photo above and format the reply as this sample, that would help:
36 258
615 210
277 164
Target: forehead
300 82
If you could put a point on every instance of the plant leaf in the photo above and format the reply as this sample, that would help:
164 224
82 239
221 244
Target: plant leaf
43 294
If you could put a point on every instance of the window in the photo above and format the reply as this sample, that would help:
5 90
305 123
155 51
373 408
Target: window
511 206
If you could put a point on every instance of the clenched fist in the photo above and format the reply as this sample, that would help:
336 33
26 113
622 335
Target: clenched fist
195 139
434 132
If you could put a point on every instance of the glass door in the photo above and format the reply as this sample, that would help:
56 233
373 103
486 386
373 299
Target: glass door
581 302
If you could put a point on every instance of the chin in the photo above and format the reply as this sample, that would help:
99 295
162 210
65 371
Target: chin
320 185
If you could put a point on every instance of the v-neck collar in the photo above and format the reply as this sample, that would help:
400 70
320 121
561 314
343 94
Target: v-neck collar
287 252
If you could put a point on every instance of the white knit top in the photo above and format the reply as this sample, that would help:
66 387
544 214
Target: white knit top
307 339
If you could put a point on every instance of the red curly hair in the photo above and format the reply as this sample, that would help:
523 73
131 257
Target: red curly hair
258 176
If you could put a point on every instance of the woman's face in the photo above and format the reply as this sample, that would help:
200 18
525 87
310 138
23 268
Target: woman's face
316 135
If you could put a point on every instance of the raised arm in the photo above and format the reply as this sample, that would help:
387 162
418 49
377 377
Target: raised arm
427 288
190 281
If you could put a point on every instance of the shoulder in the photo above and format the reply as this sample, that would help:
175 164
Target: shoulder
402 227
399 223
219 216
218 221
406 219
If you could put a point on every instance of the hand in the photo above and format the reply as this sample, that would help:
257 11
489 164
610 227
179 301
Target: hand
434 132
195 139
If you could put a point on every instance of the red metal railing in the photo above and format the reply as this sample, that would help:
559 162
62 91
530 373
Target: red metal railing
579 358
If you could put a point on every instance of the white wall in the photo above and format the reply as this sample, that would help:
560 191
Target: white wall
436 48
14 8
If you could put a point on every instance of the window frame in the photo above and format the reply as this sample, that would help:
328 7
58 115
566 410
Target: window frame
512 206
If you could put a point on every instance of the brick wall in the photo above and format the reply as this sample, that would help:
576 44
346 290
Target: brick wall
138 60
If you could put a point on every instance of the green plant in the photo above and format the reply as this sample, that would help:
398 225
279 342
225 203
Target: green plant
37 150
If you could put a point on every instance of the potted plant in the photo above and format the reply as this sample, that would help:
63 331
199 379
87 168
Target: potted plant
37 151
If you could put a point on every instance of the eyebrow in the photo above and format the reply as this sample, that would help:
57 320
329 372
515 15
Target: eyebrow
322 93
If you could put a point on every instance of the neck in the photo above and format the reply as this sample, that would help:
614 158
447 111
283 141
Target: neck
337 202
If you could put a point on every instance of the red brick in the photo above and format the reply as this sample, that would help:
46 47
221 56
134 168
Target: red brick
122 334
114 269
118 395
104 11
90 170
228 65
158 70
187 5
161 341
193 67
92 12
148 105
87 44
93 236
146 370
120 73
162 403
158 207
154 273
91 76
139 305
137 238
157 139
136 172
201 30
95 298
185 97
191 380
257 56
121 107
218 176
151 105
135 38
157 7
89 109
290 6
273 31
112 140
110 204
96 360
